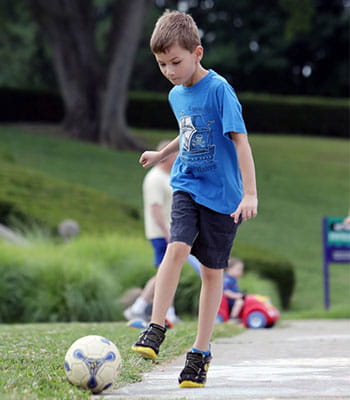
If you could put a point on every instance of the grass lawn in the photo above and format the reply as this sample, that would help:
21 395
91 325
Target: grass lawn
115 173
32 356
300 180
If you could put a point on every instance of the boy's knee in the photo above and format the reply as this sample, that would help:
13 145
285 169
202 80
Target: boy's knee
211 273
178 251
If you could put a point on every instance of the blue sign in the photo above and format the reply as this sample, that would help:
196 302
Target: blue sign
336 248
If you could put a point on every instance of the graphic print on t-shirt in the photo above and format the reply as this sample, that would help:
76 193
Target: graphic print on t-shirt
197 141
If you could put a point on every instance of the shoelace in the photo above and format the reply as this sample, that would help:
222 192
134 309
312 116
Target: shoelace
152 335
194 364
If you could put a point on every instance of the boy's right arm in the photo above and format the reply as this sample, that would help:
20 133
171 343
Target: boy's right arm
149 158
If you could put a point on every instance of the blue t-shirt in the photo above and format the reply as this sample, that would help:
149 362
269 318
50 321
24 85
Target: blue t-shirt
207 166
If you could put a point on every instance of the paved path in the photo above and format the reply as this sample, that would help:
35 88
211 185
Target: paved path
296 360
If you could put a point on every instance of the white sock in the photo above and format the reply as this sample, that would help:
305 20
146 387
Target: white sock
139 306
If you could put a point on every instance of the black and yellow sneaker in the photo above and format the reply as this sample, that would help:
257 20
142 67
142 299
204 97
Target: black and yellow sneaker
149 341
195 372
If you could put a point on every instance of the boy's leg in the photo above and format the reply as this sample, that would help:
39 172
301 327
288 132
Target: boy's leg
209 302
167 280
166 283
194 373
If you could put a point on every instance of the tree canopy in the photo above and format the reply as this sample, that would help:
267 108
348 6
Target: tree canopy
278 46
94 51
273 46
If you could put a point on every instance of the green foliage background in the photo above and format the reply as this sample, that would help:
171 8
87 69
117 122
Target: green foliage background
300 181
260 47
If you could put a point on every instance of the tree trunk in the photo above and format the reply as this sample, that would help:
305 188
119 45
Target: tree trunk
70 27
124 38
94 96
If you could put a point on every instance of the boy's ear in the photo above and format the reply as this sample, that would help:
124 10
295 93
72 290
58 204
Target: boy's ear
199 53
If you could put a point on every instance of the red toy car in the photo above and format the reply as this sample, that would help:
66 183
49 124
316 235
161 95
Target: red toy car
257 311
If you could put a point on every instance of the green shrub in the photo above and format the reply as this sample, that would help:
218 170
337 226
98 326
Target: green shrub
84 279
16 285
292 114
39 283
268 266
262 113
150 110
77 281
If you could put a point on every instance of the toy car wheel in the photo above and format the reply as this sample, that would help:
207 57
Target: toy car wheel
256 320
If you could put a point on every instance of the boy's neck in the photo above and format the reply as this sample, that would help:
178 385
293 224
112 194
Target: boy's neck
199 74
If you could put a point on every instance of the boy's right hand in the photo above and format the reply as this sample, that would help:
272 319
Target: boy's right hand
149 158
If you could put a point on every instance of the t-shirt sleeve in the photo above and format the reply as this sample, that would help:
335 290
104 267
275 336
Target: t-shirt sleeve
231 110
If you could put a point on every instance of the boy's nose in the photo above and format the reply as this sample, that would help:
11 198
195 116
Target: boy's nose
170 71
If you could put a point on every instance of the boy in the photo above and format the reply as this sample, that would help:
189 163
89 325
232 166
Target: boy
213 181
232 296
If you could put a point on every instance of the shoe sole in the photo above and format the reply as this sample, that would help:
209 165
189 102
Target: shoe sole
147 352
190 384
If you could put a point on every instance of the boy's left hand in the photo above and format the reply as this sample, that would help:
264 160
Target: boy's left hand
248 208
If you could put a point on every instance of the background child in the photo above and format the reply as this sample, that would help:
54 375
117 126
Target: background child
213 179
233 297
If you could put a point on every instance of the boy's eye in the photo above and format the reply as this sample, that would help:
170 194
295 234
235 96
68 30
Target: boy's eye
176 62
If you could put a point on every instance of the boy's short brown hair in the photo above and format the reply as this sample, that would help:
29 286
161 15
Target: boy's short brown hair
174 27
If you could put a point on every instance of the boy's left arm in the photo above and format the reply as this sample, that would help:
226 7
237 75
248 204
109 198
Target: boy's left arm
248 207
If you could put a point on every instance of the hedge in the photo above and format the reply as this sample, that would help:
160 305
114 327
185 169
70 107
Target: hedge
292 114
83 280
262 112
51 289
18 105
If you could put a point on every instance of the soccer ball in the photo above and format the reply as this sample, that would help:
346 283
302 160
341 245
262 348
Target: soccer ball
92 362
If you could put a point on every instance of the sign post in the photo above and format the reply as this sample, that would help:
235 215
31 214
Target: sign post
336 248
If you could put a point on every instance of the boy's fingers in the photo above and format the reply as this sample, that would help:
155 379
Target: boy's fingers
246 214
235 215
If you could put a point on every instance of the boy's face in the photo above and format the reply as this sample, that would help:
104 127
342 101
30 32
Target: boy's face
179 65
